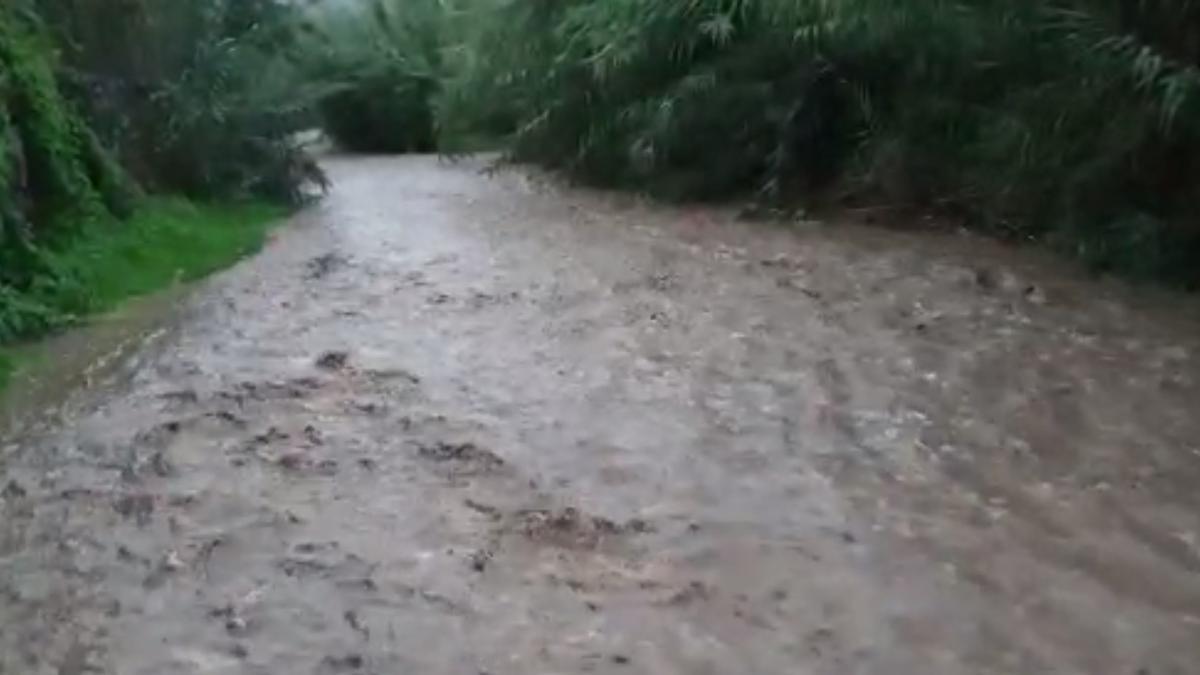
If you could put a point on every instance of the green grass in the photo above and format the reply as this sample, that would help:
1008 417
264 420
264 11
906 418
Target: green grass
167 241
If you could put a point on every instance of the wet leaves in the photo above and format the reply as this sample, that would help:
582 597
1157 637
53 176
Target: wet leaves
291 389
490 511
468 457
334 360
570 528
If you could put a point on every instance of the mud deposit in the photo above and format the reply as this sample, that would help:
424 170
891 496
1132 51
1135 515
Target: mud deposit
452 422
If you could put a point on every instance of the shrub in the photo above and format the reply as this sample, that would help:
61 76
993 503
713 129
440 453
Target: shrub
54 177
1071 121
378 64
196 97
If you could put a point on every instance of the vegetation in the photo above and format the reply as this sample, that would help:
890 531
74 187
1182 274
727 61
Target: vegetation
166 241
53 174
378 64
199 98
1074 122
196 99
1071 122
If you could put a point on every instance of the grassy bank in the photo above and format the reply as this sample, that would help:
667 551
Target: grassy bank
166 241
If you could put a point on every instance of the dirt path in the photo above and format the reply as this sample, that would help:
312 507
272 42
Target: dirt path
452 423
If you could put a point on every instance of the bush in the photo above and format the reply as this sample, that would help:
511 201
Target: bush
54 177
196 97
378 64
1072 122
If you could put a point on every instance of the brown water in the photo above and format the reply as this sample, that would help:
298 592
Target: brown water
451 422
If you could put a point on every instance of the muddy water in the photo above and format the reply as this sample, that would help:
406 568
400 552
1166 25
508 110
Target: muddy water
95 355
451 422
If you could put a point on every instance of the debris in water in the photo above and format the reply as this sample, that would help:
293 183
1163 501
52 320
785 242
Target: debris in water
333 360
338 664
694 591
462 453
294 461
355 623
322 265
228 418
137 505
14 491
639 525
269 436
182 396
235 625
313 435
569 528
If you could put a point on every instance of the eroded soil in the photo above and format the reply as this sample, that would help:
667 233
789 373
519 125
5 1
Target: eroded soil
453 422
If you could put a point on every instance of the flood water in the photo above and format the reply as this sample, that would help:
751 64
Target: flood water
464 422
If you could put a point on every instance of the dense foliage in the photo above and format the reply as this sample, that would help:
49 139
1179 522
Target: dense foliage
198 97
98 99
1070 121
54 176
379 65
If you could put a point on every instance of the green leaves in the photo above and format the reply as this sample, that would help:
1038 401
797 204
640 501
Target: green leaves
196 97
1034 120
379 66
